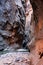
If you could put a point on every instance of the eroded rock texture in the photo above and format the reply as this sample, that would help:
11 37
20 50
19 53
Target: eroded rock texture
16 27
29 26
12 23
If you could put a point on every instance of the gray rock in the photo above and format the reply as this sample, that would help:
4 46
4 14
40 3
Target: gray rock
3 44
12 22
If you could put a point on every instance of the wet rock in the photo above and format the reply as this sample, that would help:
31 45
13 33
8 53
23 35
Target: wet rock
22 50
26 40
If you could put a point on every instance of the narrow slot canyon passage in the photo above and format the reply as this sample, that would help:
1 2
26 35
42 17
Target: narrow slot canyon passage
21 32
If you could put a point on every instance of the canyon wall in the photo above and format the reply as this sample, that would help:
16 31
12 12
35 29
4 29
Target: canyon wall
37 6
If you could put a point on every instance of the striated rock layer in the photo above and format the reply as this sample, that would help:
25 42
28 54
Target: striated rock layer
16 27
12 23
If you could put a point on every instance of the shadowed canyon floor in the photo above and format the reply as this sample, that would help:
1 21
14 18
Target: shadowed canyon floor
24 58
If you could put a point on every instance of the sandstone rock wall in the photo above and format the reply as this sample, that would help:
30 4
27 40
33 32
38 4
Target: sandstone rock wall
37 6
12 22
16 27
